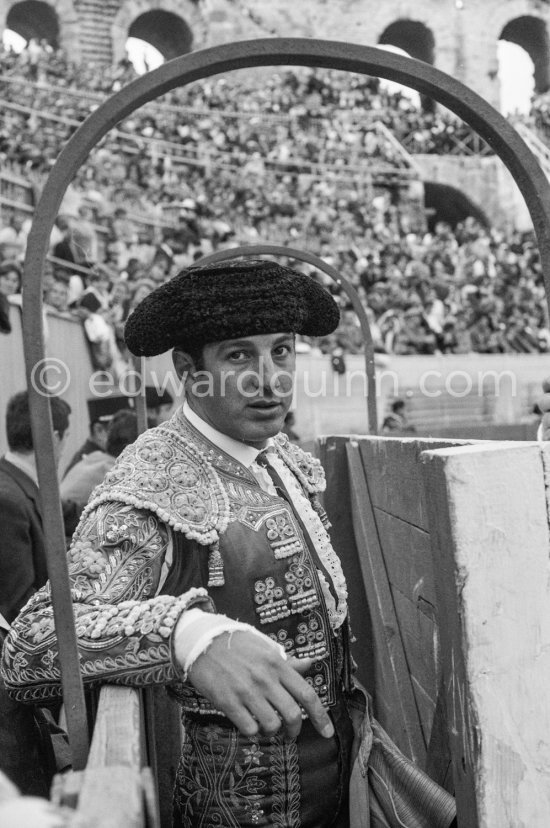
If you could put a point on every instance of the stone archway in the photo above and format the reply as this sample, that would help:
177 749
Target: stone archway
174 27
417 40
34 19
413 37
164 30
531 34
493 18
449 204
53 20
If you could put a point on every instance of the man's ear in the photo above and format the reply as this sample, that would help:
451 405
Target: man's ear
183 363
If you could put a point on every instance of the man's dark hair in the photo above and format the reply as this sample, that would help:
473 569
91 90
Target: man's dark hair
18 420
122 431
397 406
196 352
10 267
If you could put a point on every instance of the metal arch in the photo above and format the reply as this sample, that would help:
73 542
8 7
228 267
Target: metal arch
181 71
311 258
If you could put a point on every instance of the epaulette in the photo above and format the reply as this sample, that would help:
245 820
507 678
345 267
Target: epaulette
171 476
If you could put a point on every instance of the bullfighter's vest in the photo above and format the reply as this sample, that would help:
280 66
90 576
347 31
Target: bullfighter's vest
266 560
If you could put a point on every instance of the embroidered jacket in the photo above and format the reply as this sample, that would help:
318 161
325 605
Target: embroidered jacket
178 523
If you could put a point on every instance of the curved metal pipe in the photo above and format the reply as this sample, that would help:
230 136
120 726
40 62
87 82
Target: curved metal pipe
423 77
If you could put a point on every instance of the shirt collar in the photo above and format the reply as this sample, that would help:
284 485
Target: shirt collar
241 452
24 462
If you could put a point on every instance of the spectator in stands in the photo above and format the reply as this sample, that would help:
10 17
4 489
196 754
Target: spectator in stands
485 337
101 411
57 297
348 335
97 290
62 239
396 421
142 288
414 336
159 269
13 238
84 240
159 405
463 335
211 200
118 310
123 228
10 278
79 482
10 282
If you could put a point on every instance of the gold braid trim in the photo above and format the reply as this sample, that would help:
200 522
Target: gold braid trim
170 474
305 466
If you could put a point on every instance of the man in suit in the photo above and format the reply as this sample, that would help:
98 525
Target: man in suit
159 405
22 555
25 748
101 411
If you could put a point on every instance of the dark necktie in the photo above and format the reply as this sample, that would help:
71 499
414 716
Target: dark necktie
262 461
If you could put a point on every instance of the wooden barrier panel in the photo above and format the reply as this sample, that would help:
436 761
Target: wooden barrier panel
491 544
115 790
337 500
375 499
111 792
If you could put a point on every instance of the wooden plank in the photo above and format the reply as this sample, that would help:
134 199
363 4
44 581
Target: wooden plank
438 759
393 464
112 797
337 501
418 634
117 731
392 679
426 708
408 558
491 549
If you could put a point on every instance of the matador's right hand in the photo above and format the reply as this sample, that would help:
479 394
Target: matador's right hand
256 688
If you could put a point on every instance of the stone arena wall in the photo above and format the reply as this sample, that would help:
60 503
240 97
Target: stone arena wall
458 36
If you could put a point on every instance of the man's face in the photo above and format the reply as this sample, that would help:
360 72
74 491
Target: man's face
244 386
58 295
9 283
157 271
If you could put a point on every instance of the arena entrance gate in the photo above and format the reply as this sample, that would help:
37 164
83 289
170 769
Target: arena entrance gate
422 77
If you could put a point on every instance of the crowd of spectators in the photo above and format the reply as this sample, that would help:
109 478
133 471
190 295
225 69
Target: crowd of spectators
295 160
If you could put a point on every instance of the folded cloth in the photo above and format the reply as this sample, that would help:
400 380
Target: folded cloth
386 789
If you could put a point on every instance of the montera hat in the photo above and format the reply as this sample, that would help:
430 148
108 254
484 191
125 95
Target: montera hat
227 300
155 398
103 409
